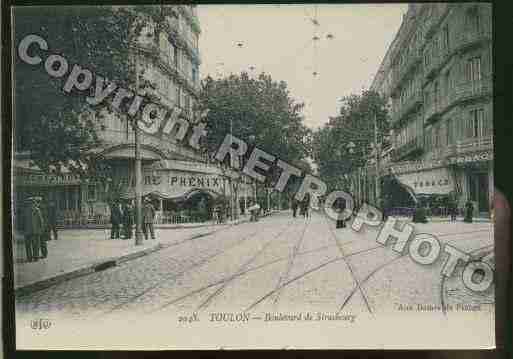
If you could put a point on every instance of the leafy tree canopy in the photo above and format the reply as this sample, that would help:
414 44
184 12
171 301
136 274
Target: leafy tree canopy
47 122
345 141
259 111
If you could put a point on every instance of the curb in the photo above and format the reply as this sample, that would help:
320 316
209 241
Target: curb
98 266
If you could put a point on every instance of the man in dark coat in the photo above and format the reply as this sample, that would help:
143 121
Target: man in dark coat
33 229
52 220
115 220
305 205
340 206
43 207
469 211
148 216
294 207
128 220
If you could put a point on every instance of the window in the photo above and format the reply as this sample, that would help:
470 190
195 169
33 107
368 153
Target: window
177 100
428 140
436 93
175 55
447 82
449 132
472 20
446 36
475 127
473 69
194 75
172 54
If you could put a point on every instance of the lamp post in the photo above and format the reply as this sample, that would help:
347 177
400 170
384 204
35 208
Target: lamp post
376 152
138 171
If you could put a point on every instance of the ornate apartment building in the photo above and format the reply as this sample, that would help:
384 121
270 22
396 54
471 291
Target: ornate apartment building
167 58
438 75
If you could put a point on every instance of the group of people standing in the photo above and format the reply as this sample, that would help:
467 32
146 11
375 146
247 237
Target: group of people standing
122 218
39 222
303 206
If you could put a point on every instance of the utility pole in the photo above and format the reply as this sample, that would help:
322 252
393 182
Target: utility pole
138 170
376 151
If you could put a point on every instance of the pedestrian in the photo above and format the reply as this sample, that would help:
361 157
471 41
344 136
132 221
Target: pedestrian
340 206
148 218
52 220
217 213
453 208
33 229
43 207
294 207
305 205
469 211
254 209
115 219
128 220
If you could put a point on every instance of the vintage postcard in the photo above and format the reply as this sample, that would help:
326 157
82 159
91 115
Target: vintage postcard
253 176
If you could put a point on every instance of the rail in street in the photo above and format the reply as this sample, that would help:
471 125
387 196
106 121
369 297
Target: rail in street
277 263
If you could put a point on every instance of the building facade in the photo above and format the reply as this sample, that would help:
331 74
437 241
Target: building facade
167 59
438 75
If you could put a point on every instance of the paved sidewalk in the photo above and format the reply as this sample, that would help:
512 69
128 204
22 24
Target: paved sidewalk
82 251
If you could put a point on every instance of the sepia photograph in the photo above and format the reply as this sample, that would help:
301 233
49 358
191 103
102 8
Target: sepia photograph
293 176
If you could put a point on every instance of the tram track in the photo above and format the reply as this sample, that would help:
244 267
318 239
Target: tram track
181 272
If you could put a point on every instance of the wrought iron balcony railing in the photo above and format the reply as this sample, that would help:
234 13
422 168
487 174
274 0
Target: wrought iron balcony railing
407 107
408 148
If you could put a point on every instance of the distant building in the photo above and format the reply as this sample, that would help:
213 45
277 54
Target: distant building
438 75
167 55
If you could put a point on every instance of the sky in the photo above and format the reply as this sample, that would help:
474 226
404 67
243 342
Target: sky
278 39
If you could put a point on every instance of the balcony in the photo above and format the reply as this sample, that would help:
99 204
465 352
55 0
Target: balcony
409 148
408 65
466 40
409 106
463 92
436 63
476 144
432 111
470 90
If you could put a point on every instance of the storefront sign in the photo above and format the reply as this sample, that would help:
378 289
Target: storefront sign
37 179
406 167
477 157
438 181
170 179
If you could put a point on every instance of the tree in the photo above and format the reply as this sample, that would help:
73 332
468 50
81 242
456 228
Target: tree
259 111
344 143
49 123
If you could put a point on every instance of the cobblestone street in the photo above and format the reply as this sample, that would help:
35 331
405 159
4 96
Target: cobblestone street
277 264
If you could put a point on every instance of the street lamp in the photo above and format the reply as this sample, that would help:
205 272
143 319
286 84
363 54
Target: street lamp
138 170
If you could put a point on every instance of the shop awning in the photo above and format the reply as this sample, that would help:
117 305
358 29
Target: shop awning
432 182
175 195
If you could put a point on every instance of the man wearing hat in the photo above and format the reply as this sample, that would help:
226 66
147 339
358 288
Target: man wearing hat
115 219
34 230
148 216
